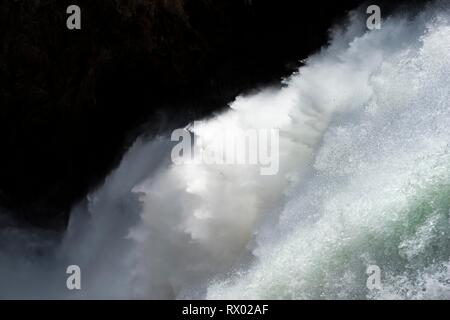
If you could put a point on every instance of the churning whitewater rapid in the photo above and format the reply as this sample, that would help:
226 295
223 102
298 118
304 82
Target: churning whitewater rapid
364 180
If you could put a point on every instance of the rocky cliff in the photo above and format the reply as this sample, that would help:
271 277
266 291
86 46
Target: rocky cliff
72 101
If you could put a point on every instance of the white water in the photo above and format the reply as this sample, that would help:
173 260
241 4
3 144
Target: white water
364 169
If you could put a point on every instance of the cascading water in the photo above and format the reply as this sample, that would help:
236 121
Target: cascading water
363 180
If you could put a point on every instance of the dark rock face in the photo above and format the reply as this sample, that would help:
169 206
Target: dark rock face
72 101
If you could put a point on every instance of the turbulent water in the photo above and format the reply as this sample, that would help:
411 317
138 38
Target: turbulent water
364 180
